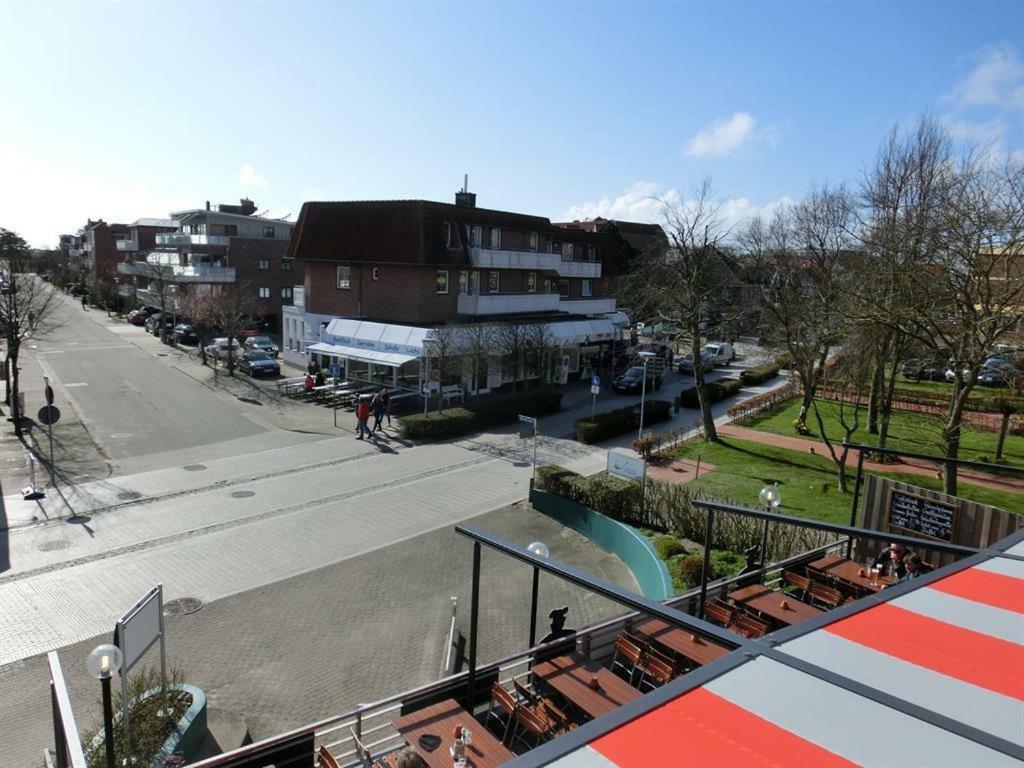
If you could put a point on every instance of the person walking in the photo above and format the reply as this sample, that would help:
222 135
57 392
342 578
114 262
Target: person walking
362 415
377 409
385 397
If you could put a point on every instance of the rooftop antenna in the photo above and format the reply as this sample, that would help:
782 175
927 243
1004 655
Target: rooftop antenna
465 182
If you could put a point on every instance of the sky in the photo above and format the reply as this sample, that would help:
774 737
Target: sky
561 109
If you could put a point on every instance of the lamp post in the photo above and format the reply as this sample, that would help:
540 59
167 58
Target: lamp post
101 663
540 549
643 393
770 497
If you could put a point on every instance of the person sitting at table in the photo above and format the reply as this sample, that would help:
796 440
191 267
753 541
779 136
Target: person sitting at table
890 561
408 758
320 379
915 567
308 383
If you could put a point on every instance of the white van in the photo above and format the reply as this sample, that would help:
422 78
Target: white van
718 352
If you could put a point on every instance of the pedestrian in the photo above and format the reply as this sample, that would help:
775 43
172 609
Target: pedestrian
362 416
377 409
385 397
320 379
308 383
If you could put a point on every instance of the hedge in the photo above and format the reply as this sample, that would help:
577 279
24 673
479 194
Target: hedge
713 390
605 426
759 374
492 411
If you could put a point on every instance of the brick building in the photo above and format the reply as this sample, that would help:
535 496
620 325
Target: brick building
382 278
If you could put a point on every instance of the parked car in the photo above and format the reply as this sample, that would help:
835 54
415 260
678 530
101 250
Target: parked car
257 363
140 315
923 370
632 380
998 377
721 352
151 323
249 331
262 344
950 374
686 361
219 347
911 368
185 334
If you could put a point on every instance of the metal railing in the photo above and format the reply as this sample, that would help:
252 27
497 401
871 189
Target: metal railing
67 744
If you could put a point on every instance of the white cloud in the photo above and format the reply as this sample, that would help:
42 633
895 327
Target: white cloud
722 136
248 177
644 201
997 80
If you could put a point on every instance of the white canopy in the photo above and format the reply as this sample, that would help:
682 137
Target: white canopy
392 359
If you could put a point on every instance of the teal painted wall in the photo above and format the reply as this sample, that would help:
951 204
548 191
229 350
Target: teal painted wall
612 536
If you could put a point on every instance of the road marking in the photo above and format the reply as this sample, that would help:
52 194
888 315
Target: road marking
120 435
77 384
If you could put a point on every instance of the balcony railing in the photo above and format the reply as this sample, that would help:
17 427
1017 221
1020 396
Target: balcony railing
592 306
507 303
490 258
578 268
178 273
180 238
127 245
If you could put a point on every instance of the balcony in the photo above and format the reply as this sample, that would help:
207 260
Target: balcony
571 268
127 245
180 238
593 306
507 303
489 258
177 273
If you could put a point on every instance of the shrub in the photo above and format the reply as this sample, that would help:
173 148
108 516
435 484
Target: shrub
668 546
687 571
783 361
759 374
453 422
612 496
714 390
620 421
505 408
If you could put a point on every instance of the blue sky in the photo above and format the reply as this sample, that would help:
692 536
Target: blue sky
559 109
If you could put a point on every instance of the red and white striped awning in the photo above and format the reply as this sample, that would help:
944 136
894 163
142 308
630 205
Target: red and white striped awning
951 651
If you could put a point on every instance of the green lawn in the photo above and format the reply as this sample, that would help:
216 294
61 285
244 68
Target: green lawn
918 432
943 390
808 483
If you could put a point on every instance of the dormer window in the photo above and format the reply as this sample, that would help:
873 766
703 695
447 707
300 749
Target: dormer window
447 235
533 241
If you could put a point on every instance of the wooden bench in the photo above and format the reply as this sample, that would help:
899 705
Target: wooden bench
450 392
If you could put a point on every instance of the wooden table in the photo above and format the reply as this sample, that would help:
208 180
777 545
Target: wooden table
746 593
849 571
440 720
570 676
770 604
694 647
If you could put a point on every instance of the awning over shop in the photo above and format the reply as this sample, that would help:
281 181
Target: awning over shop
379 337
573 332
391 359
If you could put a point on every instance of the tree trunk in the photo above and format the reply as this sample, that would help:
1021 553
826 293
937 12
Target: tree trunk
7 375
885 408
877 379
707 418
1004 427
951 430
12 358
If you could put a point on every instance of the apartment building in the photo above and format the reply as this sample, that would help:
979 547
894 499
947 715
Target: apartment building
94 249
382 277
202 248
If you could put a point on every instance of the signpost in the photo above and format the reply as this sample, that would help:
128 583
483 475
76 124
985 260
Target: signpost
49 415
533 421
595 389
135 634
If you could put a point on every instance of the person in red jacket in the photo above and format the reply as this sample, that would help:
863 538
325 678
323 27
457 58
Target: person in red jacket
362 415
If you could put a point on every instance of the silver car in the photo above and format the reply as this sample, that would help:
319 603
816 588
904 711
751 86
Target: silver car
262 344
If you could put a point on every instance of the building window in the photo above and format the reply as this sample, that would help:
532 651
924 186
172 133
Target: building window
474 282
563 288
533 241
478 234
264 265
585 289
344 278
531 282
547 285
287 265
591 253
493 281
447 235
570 250
286 293
264 293
230 230
463 282
375 273
268 231
495 238
554 247
442 281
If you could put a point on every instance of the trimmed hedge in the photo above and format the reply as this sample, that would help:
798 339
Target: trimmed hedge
759 374
605 426
714 390
492 411
612 496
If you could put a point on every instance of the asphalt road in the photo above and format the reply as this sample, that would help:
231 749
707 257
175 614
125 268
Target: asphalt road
129 398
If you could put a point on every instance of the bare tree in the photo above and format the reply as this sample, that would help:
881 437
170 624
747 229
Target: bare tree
513 340
443 346
232 309
686 284
541 351
199 305
28 308
476 344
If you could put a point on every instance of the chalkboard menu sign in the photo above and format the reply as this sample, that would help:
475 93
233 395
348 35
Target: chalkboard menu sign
927 517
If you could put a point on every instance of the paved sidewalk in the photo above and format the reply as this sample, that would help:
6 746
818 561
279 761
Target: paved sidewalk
906 466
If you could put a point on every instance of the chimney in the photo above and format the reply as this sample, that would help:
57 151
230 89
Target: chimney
464 197
247 207
207 205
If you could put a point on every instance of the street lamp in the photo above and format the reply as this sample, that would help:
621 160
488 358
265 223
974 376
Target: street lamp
540 549
101 663
770 497
643 393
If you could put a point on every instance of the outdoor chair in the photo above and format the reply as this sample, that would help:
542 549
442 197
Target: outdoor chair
545 708
366 759
325 759
503 709
748 626
657 672
627 658
719 613
532 730
829 597
801 584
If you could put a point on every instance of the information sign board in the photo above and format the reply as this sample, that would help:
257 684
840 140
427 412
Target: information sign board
626 465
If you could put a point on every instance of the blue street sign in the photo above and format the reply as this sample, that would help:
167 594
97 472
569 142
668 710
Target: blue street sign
595 381
335 369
